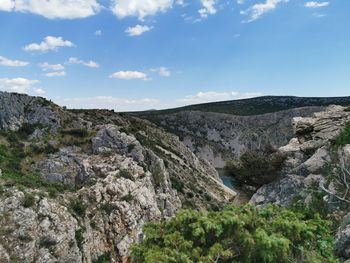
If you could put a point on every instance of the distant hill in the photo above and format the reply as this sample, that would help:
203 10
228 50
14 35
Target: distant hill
255 106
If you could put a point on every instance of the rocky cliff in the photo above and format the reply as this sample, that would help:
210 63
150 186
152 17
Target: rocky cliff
77 186
219 137
316 172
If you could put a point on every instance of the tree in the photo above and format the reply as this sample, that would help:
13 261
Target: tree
237 234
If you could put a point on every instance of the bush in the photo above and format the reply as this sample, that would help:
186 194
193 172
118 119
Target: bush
82 133
237 234
105 258
126 174
79 237
127 198
28 200
256 168
78 207
344 136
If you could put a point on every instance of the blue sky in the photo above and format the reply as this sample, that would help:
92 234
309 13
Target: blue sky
146 54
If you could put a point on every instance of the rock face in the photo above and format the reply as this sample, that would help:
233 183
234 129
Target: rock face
120 172
308 156
316 165
218 137
16 109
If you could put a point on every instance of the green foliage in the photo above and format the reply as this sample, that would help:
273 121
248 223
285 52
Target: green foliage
344 136
131 147
79 237
78 207
105 258
177 184
28 200
237 234
12 154
127 198
256 168
47 242
158 175
81 133
126 174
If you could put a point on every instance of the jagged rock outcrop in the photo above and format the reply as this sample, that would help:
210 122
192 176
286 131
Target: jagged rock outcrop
16 109
316 164
308 156
114 173
219 137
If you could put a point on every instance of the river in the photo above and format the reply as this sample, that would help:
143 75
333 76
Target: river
227 180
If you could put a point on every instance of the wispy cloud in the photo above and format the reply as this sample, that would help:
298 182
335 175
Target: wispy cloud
50 43
258 10
162 71
137 30
20 85
129 75
212 96
109 102
48 67
56 74
313 4
12 63
53 9
89 64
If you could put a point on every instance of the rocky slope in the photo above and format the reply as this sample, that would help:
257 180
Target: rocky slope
218 137
77 186
316 172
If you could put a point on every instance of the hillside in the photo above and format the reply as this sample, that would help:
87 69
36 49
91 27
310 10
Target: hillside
254 106
221 131
78 186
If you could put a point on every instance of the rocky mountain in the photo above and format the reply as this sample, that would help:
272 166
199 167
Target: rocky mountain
316 172
77 186
219 132
219 137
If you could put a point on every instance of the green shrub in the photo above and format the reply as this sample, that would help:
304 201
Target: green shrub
28 200
237 234
105 258
128 197
79 237
126 174
47 242
256 168
78 207
344 136
131 147
76 132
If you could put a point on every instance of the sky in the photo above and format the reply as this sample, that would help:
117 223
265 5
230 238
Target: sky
152 54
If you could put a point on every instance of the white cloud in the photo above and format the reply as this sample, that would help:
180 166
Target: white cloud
211 96
208 8
12 63
38 91
47 67
313 4
7 5
109 102
137 30
162 71
49 43
129 75
55 74
139 8
258 10
53 9
20 85
90 64
98 33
